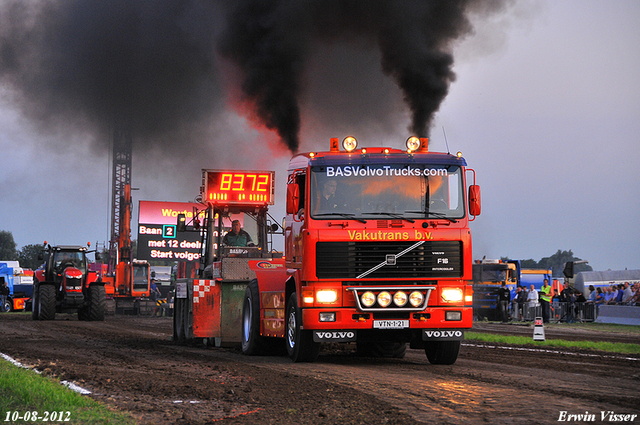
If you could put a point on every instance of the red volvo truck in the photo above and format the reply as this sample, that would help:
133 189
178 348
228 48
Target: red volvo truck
377 253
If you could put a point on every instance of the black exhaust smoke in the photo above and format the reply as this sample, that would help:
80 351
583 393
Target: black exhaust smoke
271 40
154 64
148 65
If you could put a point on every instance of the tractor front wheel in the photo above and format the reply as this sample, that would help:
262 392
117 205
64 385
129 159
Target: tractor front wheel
97 303
46 302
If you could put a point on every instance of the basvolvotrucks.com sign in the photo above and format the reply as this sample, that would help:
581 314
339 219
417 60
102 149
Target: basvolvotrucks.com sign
158 236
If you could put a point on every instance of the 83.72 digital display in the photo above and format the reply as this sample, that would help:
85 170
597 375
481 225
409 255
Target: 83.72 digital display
238 187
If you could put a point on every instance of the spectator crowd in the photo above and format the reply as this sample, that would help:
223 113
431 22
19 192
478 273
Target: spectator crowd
527 300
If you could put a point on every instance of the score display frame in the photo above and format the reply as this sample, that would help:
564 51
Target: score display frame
238 187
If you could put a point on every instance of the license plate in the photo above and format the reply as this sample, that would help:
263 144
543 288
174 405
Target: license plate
390 324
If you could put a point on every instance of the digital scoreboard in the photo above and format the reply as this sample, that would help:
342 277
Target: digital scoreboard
238 187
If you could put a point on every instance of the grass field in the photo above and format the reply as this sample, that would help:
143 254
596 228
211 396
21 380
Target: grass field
612 347
26 397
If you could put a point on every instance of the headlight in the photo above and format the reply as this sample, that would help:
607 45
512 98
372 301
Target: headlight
349 144
326 296
384 299
413 144
452 295
416 298
368 299
400 298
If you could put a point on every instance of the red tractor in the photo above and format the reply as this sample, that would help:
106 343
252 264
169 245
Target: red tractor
64 284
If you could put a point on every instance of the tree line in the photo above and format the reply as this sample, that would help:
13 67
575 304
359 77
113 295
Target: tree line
555 262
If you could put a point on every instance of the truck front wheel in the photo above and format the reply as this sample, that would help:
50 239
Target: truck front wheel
442 352
300 345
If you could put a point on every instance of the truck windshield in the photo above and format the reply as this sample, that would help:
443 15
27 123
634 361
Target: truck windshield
398 191
490 272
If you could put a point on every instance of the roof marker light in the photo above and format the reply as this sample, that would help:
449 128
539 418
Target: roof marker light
459 154
413 144
349 143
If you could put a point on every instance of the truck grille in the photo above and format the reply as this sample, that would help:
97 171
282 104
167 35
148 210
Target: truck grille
348 260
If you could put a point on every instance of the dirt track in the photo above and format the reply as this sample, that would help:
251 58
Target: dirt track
131 363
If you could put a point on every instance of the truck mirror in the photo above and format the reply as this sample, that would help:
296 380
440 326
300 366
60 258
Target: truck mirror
274 228
474 200
40 256
98 256
182 223
568 270
293 198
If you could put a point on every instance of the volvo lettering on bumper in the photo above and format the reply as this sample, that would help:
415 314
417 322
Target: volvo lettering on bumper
442 335
334 336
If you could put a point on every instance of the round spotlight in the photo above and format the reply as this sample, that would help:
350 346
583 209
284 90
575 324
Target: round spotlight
368 299
459 154
400 298
413 144
384 299
416 298
349 143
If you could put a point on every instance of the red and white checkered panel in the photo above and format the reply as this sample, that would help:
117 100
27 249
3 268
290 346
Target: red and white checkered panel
201 288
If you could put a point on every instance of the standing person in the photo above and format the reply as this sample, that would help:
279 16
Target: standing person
504 296
545 300
4 293
521 300
515 305
592 294
532 301
568 298
610 296
628 293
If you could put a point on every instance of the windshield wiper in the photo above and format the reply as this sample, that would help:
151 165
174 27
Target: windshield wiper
437 214
394 215
344 215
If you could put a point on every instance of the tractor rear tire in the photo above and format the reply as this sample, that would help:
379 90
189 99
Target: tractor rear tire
97 303
252 342
46 302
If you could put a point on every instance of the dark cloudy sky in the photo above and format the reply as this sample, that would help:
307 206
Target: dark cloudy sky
541 97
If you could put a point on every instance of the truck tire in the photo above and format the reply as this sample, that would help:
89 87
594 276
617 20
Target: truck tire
442 352
8 305
97 303
300 344
252 342
46 302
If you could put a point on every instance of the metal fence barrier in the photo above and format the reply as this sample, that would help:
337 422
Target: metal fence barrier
559 312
